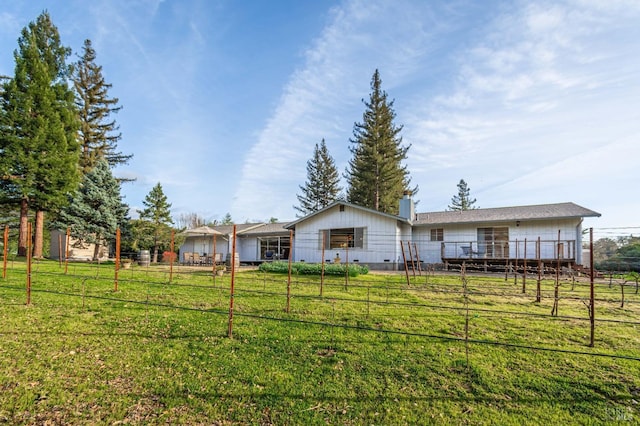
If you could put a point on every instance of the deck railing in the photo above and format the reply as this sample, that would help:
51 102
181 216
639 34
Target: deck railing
517 249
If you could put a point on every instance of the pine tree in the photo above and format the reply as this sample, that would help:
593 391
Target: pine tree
227 220
322 186
96 209
39 162
462 201
375 175
157 213
98 134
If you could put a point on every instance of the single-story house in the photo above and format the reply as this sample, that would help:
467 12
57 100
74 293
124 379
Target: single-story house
255 243
493 235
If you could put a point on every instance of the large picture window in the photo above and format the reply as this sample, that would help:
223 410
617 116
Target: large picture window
274 248
341 238
494 242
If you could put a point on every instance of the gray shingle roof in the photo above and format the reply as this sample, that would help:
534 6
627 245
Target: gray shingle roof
292 225
253 228
504 214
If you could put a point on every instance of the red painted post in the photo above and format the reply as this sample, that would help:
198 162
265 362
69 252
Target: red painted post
592 308
538 254
173 234
524 275
59 250
213 259
5 251
289 274
406 269
29 255
66 251
515 272
233 276
324 237
115 281
413 265
415 248
346 264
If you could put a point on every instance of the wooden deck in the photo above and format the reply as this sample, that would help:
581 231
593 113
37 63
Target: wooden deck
510 254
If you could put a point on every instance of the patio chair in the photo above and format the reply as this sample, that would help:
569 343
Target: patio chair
196 259
188 258
468 251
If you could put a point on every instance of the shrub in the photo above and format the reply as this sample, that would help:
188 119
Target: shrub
169 256
300 268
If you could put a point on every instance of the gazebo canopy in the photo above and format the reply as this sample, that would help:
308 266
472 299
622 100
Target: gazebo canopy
200 231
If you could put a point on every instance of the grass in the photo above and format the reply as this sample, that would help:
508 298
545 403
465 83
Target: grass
375 351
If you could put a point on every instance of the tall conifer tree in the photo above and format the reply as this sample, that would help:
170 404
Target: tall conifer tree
322 186
157 213
39 162
98 133
96 209
376 175
462 200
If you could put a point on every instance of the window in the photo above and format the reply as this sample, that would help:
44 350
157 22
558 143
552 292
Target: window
437 234
494 242
341 238
273 248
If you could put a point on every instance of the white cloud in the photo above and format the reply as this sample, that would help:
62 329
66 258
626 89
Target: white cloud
536 108
322 98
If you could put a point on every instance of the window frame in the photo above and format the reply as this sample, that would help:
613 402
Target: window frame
343 238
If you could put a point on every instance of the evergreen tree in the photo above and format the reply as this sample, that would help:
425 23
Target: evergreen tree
322 186
462 201
226 220
38 125
96 209
375 175
98 133
157 213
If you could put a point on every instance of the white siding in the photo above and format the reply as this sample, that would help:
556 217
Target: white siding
202 245
247 248
465 234
380 236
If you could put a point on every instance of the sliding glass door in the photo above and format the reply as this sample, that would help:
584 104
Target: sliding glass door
493 242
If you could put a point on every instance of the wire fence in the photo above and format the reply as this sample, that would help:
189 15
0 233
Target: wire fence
395 304
378 305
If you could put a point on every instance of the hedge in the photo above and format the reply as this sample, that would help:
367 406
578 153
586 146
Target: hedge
302 268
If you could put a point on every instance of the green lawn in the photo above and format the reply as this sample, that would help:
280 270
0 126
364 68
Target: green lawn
372 352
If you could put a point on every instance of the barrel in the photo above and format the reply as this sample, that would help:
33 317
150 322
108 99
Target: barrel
236 261
144 258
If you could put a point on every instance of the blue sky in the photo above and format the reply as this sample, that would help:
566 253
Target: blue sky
530 102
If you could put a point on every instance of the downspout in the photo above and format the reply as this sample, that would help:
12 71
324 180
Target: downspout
579 242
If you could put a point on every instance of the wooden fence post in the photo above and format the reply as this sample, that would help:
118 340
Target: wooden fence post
5 251
29 256
232 289
324 236
289 274
115 283
592 306
66 251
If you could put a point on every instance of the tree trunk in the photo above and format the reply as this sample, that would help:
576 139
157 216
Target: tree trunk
155 254
39 238
96 251
24 219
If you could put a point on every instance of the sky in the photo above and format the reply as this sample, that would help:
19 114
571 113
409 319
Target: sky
530 102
